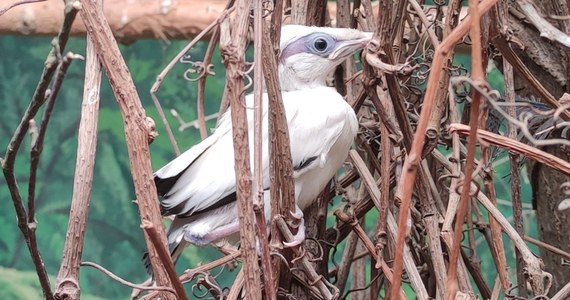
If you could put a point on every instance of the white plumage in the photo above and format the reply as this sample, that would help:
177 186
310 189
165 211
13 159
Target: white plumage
199 185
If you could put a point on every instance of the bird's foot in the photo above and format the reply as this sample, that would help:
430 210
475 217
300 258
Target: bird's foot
299 237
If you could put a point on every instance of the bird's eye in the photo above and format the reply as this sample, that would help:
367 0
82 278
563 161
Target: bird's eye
321 45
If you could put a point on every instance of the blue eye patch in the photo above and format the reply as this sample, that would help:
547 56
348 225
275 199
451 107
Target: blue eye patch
317 43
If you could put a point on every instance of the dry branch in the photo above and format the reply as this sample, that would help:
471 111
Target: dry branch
261 36
411 164
129 21
27 226
546 29
478 76
516 146
164 255
312 276
280 163
539 279
67 284
232 48
137 130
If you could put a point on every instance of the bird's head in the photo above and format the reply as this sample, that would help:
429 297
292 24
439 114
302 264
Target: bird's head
310 54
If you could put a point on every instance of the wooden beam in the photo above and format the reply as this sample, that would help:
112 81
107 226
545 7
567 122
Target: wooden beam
130 20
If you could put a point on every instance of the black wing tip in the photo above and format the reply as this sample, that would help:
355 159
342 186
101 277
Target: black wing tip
163 185
146 262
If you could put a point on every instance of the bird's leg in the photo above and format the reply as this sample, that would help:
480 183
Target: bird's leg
299 237
214 235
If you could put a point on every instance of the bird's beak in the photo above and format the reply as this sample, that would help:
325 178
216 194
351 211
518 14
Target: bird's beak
348 47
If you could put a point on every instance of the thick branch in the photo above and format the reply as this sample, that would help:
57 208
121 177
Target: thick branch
129 21
67 284
232 48
258 193
137 129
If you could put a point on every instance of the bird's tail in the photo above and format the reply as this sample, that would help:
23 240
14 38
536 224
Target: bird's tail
176 243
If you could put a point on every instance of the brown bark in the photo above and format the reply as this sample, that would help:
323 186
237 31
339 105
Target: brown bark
553 224
232 47
67 284
549 62
137 129
129 20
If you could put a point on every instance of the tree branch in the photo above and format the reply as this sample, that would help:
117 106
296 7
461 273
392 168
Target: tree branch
517 147
412 162
38 99
137 129
232 48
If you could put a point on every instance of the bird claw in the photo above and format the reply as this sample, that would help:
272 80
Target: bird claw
299 237
298 214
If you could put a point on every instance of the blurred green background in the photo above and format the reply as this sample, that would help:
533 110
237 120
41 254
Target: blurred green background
114 238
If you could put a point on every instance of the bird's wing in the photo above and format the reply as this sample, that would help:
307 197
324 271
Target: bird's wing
316 118
204 178
201 175
179 164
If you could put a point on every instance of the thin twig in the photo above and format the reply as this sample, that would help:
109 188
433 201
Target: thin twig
5 9
167 69
8 162
202 83
38 142
514 162
548 247
125 282
546 29
478 76
516 146
346 262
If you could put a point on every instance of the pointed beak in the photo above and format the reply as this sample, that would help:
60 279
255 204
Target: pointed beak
348 47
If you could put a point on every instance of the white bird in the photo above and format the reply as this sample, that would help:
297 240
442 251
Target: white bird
198 187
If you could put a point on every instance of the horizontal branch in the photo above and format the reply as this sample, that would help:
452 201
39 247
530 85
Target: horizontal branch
129 21
516 146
